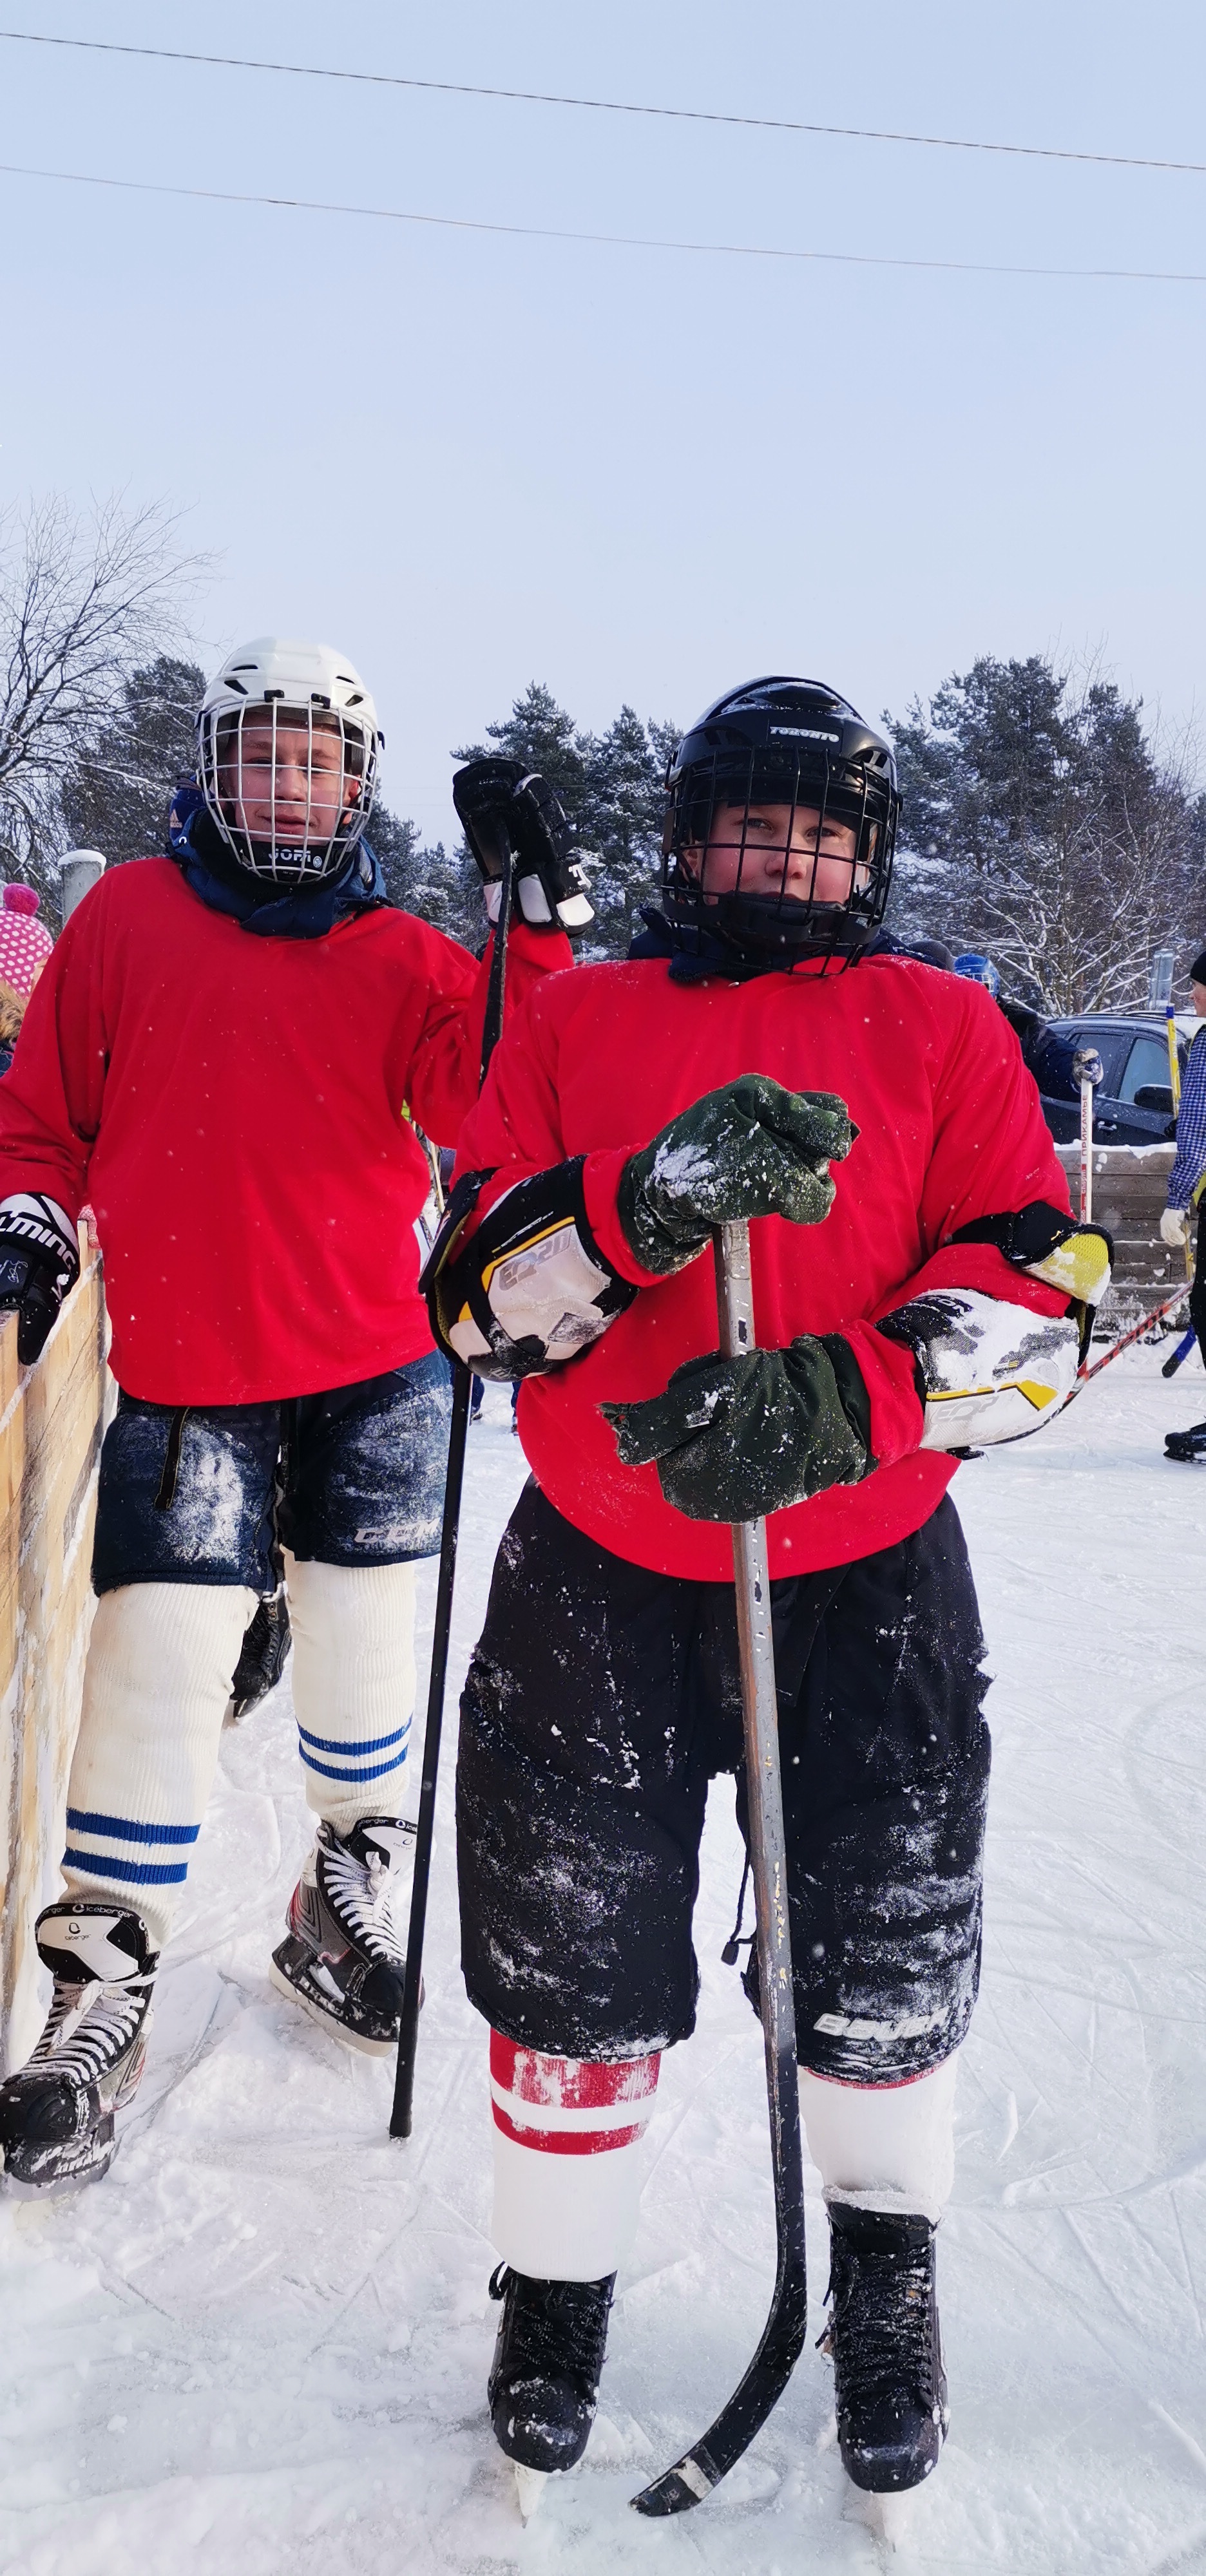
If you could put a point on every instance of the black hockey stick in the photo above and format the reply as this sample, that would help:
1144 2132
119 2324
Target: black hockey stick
462 1386
709 2460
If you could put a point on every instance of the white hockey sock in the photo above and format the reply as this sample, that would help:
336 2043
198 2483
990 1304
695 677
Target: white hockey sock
884 2146
156 1684
353 1685
568 2165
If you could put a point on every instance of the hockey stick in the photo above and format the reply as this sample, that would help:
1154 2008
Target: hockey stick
1124 1341
709 2460
1182 1351
462 1386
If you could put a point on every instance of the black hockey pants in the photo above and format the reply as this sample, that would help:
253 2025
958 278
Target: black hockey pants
600 1700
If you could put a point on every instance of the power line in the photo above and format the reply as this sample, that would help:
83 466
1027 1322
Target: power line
607 106
610 241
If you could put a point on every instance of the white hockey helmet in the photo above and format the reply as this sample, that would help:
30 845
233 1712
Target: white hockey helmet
295 687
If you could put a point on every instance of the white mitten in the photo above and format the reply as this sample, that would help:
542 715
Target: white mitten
1172 1227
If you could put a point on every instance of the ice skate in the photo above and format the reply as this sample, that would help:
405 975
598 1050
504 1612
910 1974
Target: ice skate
344 1957
544 2380
57 2113
884 2341
1187 1445
262 1657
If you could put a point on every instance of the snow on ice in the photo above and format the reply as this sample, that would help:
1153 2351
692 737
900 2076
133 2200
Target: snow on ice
261 2344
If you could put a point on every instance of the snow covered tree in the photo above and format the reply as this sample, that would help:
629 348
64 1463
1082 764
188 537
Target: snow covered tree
1041 823
441 887
115 795
611 787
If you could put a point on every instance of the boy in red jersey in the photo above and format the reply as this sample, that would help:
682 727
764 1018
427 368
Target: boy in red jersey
218 1057
910 1302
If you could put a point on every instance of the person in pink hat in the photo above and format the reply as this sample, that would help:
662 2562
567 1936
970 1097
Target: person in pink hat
25 945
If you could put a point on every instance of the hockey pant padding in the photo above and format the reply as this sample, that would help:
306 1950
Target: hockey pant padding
353 1684
884 2146
568 2162
600 1699
156 1685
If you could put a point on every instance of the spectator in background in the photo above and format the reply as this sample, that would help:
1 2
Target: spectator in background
25 945
1184 1188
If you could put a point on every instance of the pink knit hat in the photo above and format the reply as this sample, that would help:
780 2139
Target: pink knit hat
25 944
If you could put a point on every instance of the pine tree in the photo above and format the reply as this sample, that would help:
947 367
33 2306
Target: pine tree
611 786
114 797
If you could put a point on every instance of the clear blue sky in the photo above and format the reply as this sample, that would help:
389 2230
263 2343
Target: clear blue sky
471 460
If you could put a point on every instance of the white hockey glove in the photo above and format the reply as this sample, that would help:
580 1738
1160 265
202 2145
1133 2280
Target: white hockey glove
39 1262
986 1371
527 1288
1173 1229
500 802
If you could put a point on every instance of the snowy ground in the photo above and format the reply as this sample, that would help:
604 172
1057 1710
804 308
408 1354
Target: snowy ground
261 2344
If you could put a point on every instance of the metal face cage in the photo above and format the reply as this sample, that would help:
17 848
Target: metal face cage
289 810
816 918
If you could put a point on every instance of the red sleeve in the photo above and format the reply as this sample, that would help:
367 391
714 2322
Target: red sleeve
517 1121
446 1069
992 1153
51 1098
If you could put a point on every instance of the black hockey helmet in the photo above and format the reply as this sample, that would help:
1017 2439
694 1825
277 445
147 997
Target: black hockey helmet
782 743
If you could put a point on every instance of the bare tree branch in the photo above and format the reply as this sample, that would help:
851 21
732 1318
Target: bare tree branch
82 602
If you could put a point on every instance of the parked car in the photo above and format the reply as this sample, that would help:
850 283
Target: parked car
1133 1105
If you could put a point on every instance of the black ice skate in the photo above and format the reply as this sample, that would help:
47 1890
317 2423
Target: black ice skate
886 2348
1188 1445
263 1656
345 1955
544 2382
57 2112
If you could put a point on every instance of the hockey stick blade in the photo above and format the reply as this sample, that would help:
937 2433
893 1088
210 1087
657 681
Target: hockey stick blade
708 2461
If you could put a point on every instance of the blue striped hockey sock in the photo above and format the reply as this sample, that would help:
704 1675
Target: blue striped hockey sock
156 1684
353 1685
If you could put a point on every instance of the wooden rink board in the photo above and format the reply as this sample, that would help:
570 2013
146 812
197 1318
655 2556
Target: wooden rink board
52 1418
1130 1187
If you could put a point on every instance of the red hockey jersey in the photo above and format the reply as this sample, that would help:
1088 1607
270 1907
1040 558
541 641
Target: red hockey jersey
950 1131
232 1108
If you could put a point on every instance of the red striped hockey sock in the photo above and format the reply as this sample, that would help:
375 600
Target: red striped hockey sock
567 2159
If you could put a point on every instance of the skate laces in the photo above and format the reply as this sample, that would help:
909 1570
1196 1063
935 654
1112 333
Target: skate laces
554 2326
363 1894
89 2027
880 2328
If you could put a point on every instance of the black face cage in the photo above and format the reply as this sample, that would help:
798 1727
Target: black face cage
780 928
290 856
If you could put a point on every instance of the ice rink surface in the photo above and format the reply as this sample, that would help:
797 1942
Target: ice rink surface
261 2344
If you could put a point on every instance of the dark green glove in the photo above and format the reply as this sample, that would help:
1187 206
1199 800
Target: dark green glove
734 1439
751 1149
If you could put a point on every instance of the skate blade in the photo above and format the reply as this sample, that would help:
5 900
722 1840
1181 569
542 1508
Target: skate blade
328 2021
888 2518
530 2485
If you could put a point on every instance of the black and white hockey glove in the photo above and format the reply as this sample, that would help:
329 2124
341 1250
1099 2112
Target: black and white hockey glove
526 1288
499 801
39 1262
988 1371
